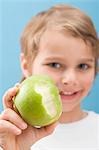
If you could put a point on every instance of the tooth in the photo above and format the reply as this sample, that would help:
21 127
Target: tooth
68 93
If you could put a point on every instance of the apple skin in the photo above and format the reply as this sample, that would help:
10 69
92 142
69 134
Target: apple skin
38 101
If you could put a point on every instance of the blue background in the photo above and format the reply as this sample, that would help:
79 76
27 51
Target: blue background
14 15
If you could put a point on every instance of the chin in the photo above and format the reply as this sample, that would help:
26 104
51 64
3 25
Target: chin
67 109
70 107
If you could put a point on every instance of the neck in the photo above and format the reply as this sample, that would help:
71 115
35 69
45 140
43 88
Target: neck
72 116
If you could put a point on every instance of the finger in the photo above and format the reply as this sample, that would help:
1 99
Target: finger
8 97
13 117
6 126
50 128
44 131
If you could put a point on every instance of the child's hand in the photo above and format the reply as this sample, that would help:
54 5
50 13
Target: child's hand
9 96
14 132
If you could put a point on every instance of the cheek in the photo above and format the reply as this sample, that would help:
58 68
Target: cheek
40 69
88 82
36 68
53 75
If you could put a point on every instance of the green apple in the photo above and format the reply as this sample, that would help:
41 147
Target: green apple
38 101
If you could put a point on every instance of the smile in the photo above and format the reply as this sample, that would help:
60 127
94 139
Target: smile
69 96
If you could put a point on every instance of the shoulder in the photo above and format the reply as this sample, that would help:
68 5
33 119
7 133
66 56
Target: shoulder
93 117
93 114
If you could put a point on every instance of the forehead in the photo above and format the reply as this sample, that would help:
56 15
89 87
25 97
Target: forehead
53 41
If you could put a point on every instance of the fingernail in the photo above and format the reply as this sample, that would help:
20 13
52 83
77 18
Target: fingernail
23 125
18 131
17 84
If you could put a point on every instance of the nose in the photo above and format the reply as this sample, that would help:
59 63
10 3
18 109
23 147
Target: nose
69 77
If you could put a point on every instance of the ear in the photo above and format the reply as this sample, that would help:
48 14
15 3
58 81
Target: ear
25 65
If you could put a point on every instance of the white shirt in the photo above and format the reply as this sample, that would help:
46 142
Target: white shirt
79 135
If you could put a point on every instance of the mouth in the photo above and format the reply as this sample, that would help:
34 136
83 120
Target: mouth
69 96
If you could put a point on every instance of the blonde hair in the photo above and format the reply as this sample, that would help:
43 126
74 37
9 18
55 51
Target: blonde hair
65 19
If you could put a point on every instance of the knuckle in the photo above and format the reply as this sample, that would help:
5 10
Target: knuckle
6 93
5 113
1 126
4 96
9 91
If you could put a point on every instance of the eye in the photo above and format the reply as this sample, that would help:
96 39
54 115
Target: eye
83 66
54 65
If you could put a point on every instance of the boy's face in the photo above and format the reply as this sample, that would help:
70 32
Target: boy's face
70 62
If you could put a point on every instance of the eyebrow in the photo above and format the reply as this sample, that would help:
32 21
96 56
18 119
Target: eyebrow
52 58
82 59
88 59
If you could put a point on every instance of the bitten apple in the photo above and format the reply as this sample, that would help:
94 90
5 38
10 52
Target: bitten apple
38 101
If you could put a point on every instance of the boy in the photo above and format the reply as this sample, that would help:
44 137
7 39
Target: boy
61 42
